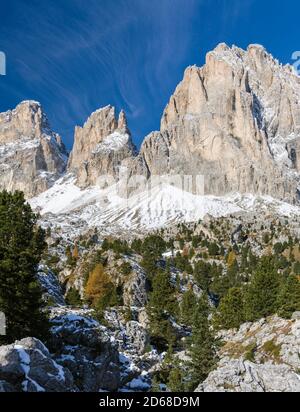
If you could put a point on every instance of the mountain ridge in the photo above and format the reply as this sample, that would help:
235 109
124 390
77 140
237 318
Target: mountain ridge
235 121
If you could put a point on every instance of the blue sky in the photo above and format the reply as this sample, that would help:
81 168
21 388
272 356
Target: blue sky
75 56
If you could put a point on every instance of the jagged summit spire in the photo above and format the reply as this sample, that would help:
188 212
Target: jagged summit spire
122 121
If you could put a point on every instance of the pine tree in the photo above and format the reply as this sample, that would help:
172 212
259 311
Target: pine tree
288 300
187 307
161 306
176 380
261 293
230 312
203 345
21 247
73 297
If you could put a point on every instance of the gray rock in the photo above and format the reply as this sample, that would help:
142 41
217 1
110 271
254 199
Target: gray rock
243 376
28 366
137 336
135 287
276 362
296 316
52 291
85 348
100 147
235 121
6 387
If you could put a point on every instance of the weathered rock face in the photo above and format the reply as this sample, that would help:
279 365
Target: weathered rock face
135 287
52 290
83 346
100 147
244 376
137 335
82 358
272 349
236 121
28 366
32 156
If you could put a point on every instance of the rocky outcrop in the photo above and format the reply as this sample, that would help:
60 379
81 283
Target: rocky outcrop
236 121
244 376
32 156
138 336
100 147
83 346
27 366
81 358
52 290
135 287
259 357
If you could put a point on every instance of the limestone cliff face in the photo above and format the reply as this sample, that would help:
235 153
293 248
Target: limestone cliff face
32 156
236 121
100 146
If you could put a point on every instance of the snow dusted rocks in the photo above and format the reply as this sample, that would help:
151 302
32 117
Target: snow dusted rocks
52 290
32 156
28 366
82 358
100 147
83 346
259 357
138 336
236 121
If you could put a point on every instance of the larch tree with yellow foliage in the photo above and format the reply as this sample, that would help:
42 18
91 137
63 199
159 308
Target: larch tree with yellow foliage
99 290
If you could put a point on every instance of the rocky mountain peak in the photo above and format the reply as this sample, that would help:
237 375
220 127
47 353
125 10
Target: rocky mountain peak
122 122
236 121
27 120
100 146
32 155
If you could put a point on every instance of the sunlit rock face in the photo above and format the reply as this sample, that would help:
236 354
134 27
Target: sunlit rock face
236 121
100 147
32 156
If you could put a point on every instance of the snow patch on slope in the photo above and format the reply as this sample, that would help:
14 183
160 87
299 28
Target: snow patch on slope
114 142
76 210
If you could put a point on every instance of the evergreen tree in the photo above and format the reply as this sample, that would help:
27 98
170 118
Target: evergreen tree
21 247
203 345
203 273
176 380
230 312
73 297
161 306
213 249
261 293
187 307
288 300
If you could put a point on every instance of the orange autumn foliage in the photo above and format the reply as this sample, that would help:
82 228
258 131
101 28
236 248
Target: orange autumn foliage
97 284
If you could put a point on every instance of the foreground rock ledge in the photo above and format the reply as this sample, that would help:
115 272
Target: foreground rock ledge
259 357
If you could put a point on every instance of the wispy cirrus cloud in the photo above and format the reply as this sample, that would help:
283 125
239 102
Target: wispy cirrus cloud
75 56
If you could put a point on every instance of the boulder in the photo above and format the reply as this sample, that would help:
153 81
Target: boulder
84 346
27 366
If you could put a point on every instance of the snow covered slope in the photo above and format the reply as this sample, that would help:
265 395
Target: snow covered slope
76 211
